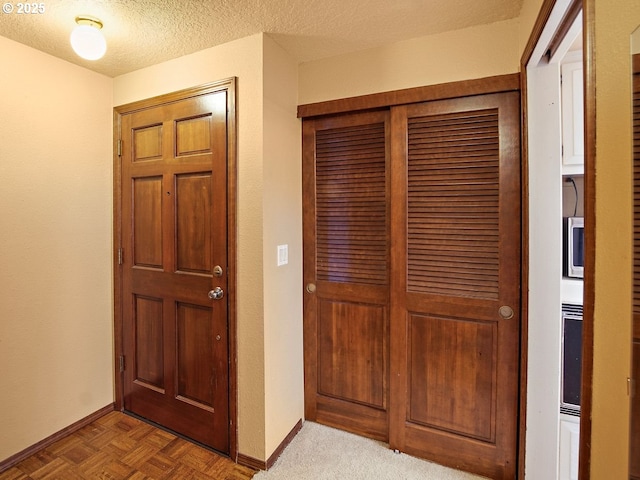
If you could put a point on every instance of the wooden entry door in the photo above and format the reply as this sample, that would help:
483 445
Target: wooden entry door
455 301
412 268
174 254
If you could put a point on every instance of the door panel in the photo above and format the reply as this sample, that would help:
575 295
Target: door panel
452 384
347 260
196 343
193 215
147 225
174 231
149 368
457 166
351 337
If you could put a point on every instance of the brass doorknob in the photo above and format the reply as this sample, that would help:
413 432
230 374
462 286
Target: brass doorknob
506 312
311 287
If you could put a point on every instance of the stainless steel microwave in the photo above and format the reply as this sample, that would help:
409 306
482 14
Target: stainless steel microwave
573 247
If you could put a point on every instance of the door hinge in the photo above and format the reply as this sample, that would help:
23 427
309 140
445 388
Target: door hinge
120 256
631 387
121 360
119 147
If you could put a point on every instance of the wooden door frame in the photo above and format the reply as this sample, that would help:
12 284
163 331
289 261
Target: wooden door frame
228 85
573 9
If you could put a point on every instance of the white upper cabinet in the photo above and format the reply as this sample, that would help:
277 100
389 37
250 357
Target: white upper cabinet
572 115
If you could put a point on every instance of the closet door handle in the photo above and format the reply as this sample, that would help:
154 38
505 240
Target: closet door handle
506 312
311 287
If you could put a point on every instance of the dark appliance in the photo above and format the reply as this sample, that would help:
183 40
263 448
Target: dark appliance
571 358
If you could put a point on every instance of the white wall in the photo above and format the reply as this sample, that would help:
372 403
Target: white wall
56 340
528 16
476 52
545 271
282 214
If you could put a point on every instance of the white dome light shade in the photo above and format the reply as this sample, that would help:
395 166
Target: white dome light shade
87 40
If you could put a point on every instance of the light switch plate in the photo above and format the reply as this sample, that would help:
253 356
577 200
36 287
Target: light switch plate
283 255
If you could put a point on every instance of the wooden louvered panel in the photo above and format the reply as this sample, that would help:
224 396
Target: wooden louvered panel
453 204
351 208
636 193
634 437
634 434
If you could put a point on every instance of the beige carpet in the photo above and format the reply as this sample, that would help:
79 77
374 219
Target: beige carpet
320 452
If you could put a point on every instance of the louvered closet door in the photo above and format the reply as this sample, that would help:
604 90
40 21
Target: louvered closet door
346 271
455 282
634 454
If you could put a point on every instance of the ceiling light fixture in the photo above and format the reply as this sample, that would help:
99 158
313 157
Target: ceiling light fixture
87 40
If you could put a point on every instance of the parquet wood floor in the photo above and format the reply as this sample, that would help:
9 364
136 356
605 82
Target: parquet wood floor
119 447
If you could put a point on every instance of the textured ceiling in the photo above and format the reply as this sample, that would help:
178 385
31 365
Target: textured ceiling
140 33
